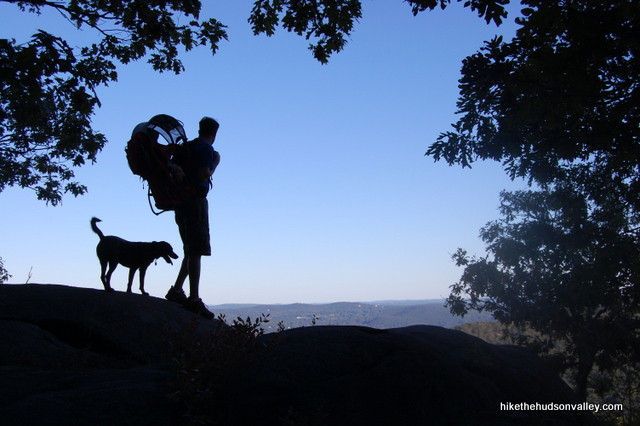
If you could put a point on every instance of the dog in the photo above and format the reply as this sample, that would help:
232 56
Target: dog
112 251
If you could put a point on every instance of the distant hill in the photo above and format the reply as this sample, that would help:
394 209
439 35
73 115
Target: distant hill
387 314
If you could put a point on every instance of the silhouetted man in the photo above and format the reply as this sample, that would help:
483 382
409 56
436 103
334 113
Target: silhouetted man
193 217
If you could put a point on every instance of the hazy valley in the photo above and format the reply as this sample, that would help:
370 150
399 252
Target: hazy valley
384 314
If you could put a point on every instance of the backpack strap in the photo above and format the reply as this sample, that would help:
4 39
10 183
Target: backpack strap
149 196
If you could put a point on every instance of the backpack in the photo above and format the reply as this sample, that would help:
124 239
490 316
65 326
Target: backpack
149 159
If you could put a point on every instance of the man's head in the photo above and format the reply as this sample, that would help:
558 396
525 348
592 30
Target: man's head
208 129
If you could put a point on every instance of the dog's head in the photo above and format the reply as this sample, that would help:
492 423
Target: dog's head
165 251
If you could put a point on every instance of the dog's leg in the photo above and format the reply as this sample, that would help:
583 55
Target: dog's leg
143 271
132 272
103 277
106 279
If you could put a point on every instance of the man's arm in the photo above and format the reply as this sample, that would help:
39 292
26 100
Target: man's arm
205 173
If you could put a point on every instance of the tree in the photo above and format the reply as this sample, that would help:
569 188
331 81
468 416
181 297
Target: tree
4 275
555 267
559 106
48 89
564 92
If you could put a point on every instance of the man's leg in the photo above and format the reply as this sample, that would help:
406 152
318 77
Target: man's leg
194 275
194 303
183 273
176 294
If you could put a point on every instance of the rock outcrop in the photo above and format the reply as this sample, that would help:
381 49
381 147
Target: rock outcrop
82 356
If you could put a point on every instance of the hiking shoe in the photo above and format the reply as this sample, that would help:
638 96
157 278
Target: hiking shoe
198 307
176 295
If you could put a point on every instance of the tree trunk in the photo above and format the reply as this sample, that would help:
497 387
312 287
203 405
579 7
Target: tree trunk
585 364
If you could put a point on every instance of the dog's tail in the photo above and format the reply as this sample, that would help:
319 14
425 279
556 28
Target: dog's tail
95 227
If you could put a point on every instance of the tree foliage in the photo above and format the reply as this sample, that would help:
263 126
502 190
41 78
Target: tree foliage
565 90
330 22
4 275
559 105
555 266
48 88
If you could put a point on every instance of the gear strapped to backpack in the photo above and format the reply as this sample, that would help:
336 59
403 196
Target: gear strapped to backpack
150 160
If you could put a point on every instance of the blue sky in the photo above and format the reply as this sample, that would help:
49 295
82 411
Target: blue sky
323 193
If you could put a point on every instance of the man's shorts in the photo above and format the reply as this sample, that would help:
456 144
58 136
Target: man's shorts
193 225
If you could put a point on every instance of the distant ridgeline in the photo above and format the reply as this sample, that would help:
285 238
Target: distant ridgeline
387 314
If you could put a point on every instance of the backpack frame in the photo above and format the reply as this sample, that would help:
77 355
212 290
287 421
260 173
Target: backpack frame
150 159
